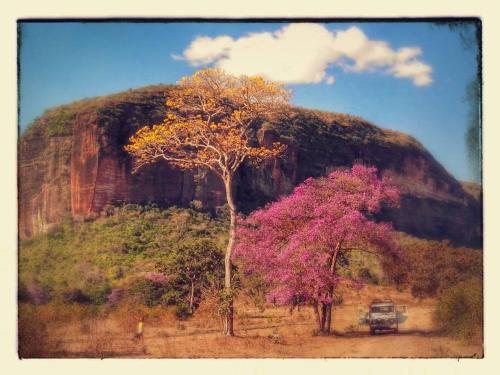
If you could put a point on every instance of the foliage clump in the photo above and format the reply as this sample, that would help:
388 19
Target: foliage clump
298 243
33 294
59 125
459 312
452 275
125 253
429 267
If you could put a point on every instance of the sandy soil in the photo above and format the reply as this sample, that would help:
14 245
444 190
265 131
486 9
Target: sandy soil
272 333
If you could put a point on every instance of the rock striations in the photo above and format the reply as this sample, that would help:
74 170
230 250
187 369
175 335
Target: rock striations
72 164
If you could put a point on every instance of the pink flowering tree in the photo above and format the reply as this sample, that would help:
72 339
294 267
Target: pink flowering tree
295 243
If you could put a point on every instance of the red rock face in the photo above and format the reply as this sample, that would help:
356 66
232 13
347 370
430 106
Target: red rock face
43 179
79 174
84 165
101 174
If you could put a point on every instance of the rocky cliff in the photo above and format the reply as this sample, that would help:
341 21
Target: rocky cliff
72 163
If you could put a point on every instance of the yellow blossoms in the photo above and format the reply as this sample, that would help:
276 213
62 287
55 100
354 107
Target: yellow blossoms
209 123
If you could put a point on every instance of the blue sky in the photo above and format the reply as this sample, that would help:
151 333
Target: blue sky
409 77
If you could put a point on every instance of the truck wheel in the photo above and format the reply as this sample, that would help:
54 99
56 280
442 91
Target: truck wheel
372 331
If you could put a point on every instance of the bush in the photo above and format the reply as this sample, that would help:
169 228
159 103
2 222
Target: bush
424 286
196 205
60 123
368 276
171 297
22 293
114 297
428 268
459 312
36 295
75 296
182 310
255 288
98 295
148 292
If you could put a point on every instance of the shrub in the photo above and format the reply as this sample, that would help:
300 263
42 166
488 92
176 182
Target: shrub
37 295
196 205
182 310
171 297
75 295
98 295
459 312
114 297
115 273
255 288
424 286
156 277
60 123
368 276
148 292
427 268
22 293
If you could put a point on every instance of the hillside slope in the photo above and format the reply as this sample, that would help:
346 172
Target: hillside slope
72 163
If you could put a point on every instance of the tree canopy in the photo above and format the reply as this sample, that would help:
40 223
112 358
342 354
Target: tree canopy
211 122
211 119
296 242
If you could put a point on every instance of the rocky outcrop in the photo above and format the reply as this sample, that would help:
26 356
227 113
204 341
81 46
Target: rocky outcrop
72 164
43 180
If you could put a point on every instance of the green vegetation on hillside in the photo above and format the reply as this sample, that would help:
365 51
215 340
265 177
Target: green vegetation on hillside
125 249
155 257
58 121
147 103
473 189
127 243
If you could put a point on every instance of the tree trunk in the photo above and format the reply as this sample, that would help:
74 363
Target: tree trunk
327 308
318 318
228 326
191 297
323 317
328 318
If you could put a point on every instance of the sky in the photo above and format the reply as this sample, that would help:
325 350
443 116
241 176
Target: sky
410 77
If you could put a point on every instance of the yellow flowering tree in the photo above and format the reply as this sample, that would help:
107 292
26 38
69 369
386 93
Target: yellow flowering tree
210 123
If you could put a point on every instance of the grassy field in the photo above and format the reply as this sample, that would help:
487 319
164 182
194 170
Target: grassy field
84 331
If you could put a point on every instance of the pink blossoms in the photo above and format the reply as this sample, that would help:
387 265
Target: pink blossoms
295 243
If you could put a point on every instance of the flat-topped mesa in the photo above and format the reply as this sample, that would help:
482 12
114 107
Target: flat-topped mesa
72 163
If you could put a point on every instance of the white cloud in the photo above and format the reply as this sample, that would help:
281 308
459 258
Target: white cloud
204 50
302 53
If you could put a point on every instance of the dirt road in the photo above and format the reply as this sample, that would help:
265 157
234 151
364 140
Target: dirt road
273 333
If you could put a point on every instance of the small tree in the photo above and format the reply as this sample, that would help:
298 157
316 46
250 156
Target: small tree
296 243
210 123
194 263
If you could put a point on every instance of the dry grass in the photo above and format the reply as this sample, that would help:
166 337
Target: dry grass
75 331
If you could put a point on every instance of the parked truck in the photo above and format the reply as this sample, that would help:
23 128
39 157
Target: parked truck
382 316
